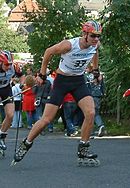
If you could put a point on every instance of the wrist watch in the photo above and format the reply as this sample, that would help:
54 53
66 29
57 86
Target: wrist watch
43 77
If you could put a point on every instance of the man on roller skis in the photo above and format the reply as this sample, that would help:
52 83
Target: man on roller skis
76 55
7 71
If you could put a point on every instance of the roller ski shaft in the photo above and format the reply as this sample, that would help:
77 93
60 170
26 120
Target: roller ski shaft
3 147
85 157
21 152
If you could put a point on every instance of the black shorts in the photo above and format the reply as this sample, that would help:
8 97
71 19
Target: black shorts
5 93
76 85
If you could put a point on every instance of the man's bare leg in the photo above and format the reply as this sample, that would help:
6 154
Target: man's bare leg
84 156
48 115
87 106
9 111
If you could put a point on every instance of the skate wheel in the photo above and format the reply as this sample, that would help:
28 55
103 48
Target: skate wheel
88 162
2 153
93 162
97 162
80 162
13 163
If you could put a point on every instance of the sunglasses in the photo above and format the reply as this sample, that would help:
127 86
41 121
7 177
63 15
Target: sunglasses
7 65
95 36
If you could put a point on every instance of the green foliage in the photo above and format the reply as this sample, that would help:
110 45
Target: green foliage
9 39
116 52
114 129
2 19
58 20
11 3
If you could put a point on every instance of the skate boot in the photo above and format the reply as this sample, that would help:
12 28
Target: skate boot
85 157
21 151
3 147
101 131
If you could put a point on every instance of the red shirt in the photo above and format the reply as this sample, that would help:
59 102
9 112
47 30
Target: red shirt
68 98
28 101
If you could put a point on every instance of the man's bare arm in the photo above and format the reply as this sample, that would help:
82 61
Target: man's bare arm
60 48
95 60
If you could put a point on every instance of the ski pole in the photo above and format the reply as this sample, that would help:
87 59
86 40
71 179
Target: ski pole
17 130
8 98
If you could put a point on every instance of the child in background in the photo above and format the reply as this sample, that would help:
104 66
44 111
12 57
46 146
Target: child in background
28 101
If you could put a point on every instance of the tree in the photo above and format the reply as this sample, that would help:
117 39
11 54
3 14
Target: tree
116 56
11 3
57 20
10 40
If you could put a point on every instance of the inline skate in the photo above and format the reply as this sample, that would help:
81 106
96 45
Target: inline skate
86 158
3 147
21 151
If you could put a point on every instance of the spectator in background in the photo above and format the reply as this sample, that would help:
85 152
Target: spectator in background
69 108
29 71
50 77
60 117
17 118
42 92
96 85
29 98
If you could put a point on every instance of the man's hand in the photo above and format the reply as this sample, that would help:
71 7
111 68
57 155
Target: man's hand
96 73
98 44
43 77
40 79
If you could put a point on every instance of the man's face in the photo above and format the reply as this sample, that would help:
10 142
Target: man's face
5 67
29 72
92 39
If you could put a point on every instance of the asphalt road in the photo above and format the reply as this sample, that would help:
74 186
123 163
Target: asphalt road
51 163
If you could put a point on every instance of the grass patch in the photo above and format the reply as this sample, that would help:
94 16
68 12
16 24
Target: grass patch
114 129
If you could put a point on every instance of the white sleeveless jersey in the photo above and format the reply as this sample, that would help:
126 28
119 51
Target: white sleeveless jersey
76 60
5 77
